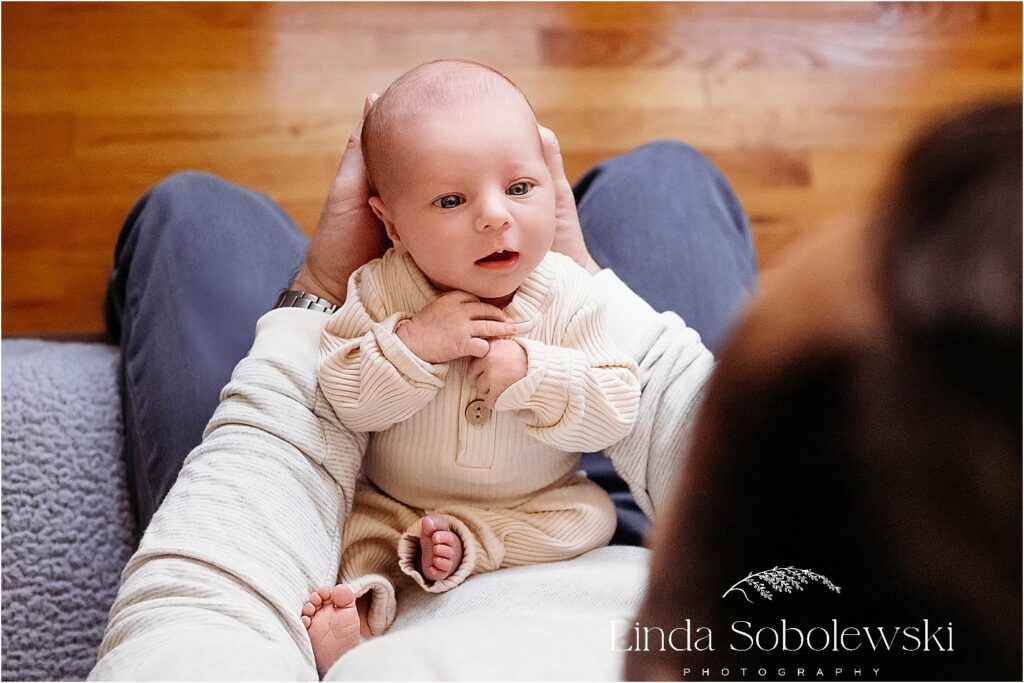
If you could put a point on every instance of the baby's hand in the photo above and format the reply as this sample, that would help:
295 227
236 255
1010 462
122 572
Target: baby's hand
504 365
456 325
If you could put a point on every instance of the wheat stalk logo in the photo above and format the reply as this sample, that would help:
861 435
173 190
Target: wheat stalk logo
780 580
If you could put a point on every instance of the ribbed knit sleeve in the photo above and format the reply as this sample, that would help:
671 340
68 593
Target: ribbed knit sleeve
674 369
580 395
369 376
250 527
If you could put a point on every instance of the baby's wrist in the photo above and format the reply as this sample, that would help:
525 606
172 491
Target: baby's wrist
403 333
409 333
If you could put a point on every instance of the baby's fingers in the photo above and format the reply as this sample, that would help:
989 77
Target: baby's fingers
477 347
490 329
478 310
474 370
480 382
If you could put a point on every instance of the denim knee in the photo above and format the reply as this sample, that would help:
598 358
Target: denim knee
671 171
187 190
190 204
187 183
672 159
686 168
173 204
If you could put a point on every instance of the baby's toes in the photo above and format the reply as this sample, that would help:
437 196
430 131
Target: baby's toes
444 558
450 541
342 595
443 538
309 609
324 593
306 621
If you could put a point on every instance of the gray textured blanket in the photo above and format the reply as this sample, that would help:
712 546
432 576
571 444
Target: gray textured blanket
67 525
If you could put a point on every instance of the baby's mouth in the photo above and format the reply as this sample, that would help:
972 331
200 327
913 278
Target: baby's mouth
499 260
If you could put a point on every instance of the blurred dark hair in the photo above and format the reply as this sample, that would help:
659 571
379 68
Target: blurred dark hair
879 446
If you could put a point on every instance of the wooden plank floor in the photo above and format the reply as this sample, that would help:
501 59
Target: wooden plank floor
802 105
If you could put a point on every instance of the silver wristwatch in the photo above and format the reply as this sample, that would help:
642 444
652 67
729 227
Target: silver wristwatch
293 298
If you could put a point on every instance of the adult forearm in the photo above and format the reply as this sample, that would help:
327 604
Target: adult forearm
249 528
674 368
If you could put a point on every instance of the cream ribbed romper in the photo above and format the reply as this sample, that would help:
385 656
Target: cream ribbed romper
506 479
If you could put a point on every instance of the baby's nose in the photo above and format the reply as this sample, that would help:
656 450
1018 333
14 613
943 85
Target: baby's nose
493 217
494 224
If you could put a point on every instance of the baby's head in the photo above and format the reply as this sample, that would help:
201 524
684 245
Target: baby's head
459 178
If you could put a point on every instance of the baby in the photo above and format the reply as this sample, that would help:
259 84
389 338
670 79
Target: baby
478 359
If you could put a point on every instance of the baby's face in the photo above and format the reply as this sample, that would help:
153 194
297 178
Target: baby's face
469 196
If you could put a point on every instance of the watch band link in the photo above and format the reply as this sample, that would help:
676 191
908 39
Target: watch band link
293 298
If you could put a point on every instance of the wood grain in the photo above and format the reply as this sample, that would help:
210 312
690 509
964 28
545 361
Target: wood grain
803 106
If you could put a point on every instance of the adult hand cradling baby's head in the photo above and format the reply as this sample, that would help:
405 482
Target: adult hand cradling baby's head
347 234
568 234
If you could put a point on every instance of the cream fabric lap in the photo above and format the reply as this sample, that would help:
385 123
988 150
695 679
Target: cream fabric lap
550 621
490 647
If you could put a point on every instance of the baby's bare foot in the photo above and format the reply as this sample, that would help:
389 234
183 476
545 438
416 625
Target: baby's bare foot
441 548
331 618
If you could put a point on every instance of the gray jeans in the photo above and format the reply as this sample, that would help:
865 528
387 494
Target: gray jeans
199 260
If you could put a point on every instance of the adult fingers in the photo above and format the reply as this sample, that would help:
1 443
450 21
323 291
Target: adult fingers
351 176
553 156
355 138
368 104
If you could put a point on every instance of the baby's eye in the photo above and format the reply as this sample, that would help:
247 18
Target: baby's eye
519 188
449 201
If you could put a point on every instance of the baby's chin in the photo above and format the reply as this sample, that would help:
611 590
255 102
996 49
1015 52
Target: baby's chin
495 292
495 298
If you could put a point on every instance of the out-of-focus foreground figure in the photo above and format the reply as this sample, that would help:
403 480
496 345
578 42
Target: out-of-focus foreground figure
865 423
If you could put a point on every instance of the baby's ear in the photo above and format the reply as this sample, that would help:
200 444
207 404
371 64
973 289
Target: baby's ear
384 215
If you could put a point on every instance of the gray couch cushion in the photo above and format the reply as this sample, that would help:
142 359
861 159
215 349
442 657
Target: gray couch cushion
67 525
